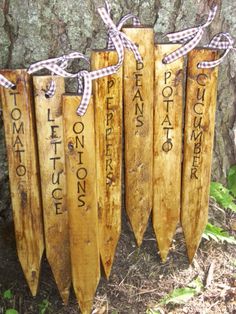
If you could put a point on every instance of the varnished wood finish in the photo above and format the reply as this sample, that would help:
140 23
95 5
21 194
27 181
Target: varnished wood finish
168 113
79 140
198 145
20 129
108 124
138 124
52 170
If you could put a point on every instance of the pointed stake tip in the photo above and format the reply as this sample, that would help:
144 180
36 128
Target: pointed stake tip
33 289
138 238
86 307
163 256
139 242
107 271
107 262
62 280
32 280
65 296
138 229
191 254
107 276
164 247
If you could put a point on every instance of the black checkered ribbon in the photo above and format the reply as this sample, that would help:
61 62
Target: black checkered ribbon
119 41
56 66
189 37
223 41
123 20
5 83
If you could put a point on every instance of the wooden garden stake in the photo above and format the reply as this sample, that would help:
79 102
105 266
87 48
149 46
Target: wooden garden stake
167 146
138 123
198 144
52 171
19 126
79 141
108 124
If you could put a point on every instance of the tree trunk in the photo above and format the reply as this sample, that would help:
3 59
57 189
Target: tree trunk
34 30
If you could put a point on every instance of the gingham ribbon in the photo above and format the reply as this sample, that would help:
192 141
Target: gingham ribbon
223 41
120 41
123 20
191 37
56 66
5 83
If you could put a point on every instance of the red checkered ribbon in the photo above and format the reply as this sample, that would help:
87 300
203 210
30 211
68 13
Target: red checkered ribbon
191 37
5 83
120 41
56 66
223 41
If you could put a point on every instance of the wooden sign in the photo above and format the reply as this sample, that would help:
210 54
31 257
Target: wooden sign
138 124
79 141
108 124
198 145
168 111
19 126
53 185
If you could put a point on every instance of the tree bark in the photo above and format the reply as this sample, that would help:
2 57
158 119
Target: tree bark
34 30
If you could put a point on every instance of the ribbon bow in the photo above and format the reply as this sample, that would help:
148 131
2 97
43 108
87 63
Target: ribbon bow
119 41
6 83
123 20
191 37
218 43
56 66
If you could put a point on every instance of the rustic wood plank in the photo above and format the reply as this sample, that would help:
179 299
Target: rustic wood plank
138 124
19 123
167 146
53 186
79 139
108 125
198 146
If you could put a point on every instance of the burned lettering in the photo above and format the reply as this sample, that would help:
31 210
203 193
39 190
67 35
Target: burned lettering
167 94
197 133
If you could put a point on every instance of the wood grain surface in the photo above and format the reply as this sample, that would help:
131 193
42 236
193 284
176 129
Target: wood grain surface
108 125
20 134
53 185
198 145
168 112
81 197
138 125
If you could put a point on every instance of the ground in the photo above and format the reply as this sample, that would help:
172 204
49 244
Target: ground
139 280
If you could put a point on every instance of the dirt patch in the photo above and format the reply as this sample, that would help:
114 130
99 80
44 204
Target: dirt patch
139 279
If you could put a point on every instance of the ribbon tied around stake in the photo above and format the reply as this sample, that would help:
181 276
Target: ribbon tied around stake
189 37
57 66
117 40
123 20
226 44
